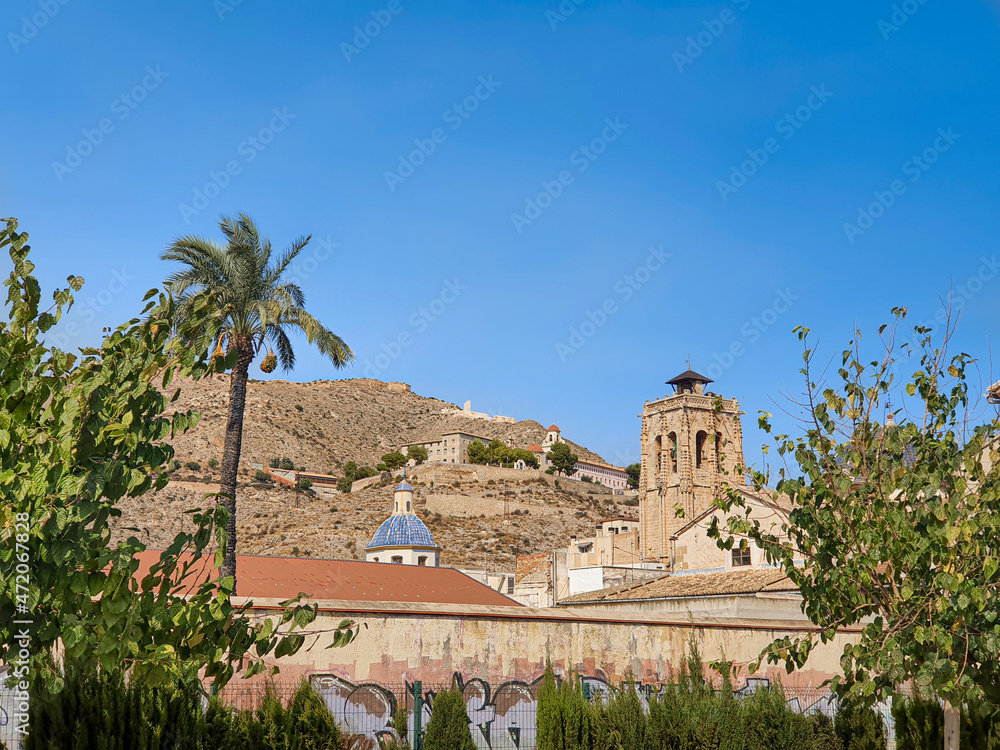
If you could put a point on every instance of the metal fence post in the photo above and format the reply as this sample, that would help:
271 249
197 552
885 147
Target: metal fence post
418 710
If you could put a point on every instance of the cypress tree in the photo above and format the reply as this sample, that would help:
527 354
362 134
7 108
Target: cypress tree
448 728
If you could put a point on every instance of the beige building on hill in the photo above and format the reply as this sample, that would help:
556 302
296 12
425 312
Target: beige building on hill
451 448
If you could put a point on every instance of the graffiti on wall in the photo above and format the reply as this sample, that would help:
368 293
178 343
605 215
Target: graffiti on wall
500 718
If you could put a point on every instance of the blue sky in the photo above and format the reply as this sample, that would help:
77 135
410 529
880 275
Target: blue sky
554 205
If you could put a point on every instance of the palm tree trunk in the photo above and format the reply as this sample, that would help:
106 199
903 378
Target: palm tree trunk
231 456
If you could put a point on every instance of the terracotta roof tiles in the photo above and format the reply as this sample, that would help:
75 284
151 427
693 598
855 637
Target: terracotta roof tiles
675 586
347 580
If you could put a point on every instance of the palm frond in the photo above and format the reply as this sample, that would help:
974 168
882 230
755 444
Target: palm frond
247 287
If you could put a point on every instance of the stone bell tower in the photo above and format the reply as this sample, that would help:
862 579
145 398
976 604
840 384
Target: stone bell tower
692 443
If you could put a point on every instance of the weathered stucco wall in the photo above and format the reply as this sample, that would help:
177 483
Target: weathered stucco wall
408 642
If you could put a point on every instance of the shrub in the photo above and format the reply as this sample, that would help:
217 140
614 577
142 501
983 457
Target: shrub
213 463
102 711
286 464
860 728
298 407
192 466
304 484
625 718
274 463
822 733
261 476
920 722
448 728
344 484
177 464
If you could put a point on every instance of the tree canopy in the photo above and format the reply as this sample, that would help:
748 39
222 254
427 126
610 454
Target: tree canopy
416 453
498 453
255 306
633 471
77 435
562 458
895 519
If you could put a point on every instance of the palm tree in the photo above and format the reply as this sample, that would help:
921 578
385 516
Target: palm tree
258 309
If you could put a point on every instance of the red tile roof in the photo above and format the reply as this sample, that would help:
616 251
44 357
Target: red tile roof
536 448
553 428
347 580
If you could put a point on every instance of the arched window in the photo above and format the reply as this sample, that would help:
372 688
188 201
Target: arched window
657 457
699 448
374 559
407 506
397 560
672 446
422 561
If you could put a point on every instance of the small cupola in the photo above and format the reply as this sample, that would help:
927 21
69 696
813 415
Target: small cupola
689 382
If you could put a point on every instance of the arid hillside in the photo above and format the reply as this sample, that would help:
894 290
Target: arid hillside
469 519
324 424
479 521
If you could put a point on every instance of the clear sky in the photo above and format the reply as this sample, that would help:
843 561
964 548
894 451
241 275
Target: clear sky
555 205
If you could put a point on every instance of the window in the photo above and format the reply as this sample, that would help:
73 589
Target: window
375 559
397 560
422 561
672 445
741 554
699 448
407 506
510 584
657 447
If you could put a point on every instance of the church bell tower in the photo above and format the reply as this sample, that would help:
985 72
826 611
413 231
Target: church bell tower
692 443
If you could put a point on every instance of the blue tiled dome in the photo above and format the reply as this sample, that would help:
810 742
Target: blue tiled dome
403 530
404 485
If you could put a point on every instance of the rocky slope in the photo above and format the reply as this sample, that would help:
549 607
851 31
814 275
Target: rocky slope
323 425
